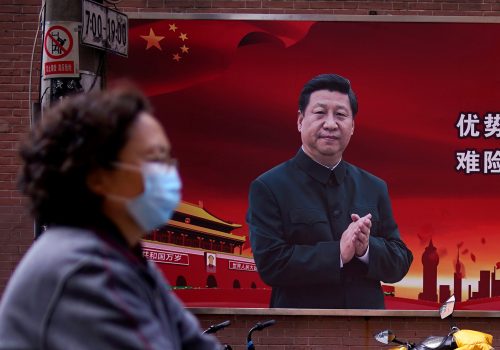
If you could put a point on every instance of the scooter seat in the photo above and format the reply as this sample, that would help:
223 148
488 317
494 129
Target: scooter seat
434 342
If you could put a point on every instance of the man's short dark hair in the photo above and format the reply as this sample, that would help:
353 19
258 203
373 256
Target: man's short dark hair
330 82
82 133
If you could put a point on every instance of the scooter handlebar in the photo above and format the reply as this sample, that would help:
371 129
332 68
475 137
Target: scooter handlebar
260 326
214 328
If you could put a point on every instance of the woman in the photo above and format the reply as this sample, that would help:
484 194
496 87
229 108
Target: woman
98 173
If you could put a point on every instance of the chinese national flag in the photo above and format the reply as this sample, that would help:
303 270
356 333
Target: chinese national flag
169 55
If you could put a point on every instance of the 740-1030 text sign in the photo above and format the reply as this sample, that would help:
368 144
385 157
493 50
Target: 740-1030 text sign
104 28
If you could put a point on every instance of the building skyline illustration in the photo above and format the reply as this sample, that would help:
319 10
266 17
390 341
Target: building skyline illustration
430 260
487 286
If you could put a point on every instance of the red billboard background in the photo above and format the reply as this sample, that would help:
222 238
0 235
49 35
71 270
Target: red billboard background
227 91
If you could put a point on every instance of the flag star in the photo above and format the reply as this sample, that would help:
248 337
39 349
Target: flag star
152 39
176 57
173 27
184 49
183 37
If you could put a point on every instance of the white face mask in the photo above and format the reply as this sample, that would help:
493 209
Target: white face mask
155 206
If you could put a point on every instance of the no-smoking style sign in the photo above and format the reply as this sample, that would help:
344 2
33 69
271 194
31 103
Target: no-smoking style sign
58 42
60 50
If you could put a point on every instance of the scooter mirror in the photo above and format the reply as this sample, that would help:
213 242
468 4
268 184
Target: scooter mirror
447 307
385 337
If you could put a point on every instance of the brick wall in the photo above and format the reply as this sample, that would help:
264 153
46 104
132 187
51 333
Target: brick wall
18 24
17 32
333 332
382 7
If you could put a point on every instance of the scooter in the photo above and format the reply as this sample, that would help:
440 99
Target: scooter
456 338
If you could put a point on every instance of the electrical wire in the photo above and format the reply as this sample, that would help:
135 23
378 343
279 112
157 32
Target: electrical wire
30 109
113 2
98 71
44 92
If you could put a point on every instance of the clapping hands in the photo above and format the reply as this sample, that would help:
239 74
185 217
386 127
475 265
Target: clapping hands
355 238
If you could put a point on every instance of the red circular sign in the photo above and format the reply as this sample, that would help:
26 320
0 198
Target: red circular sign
60 42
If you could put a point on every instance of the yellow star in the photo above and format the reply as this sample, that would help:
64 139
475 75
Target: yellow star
183 36
176 57
152 39
184 49
173 27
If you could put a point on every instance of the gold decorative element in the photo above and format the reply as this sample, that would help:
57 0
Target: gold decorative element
152 39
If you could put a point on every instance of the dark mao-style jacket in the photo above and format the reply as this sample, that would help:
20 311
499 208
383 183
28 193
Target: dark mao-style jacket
297 214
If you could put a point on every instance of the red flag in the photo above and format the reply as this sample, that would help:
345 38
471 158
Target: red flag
169 55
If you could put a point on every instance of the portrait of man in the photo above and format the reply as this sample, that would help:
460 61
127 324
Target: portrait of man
211 262
322 230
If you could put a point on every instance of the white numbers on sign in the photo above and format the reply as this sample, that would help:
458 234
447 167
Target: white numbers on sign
104 28
117 30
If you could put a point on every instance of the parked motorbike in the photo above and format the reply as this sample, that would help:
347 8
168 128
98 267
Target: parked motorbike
464 339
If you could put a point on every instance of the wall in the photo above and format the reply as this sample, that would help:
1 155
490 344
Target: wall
382 7
320 332
18 24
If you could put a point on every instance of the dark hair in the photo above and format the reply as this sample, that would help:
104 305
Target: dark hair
330 82
82 133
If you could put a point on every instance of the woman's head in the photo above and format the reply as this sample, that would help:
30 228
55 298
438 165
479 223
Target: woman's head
79 136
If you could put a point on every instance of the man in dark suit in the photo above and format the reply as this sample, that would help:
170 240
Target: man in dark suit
322 230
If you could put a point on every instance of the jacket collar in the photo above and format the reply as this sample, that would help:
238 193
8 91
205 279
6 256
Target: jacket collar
320 172
110 233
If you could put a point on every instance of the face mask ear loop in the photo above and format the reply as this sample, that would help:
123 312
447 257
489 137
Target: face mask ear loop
116 198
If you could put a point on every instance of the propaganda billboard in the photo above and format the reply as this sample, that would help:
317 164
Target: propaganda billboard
227 90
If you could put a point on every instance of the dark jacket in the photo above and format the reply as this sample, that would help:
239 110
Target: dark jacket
77 289
298 212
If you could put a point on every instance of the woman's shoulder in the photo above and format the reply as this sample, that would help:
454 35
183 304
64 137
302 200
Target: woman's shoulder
52 256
